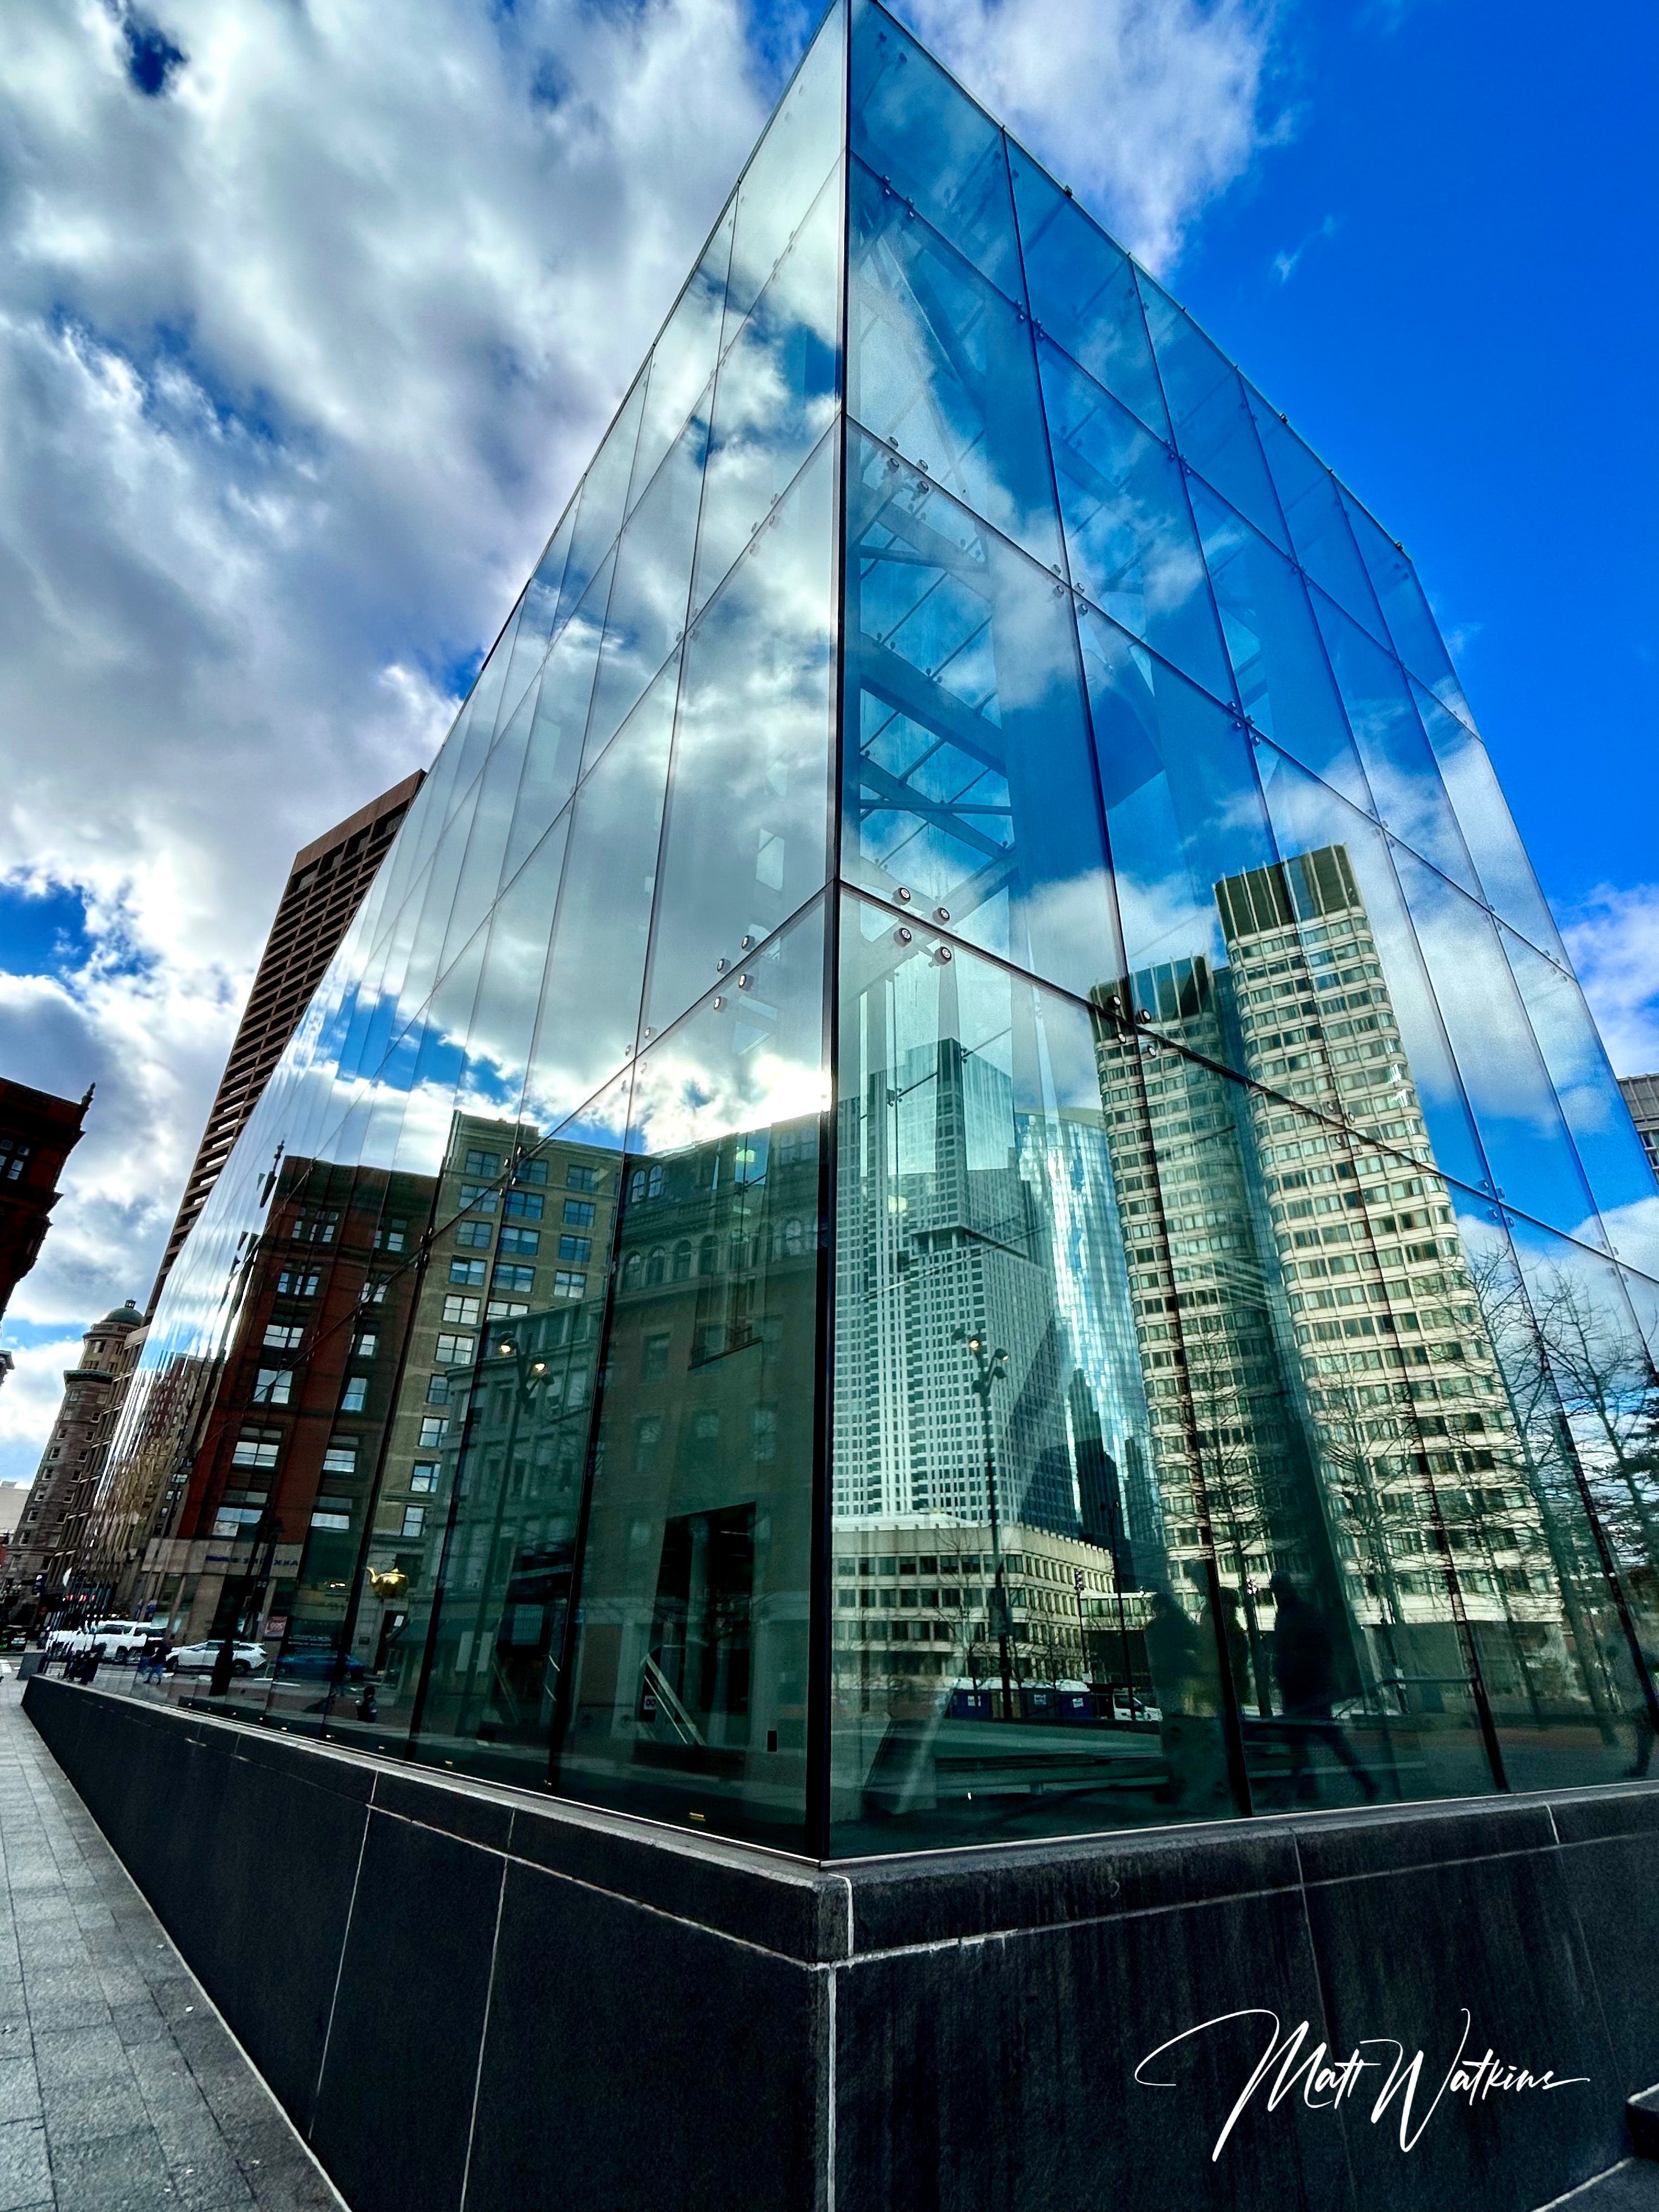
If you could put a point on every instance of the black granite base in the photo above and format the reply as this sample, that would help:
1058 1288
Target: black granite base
468 1997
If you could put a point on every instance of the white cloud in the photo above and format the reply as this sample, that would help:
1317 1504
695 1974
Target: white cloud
1614 939
29 1401
1147 108
297 363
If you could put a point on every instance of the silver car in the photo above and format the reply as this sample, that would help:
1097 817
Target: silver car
201 1658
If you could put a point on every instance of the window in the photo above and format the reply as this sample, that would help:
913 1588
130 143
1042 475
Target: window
466 1271
461 1309
505 1308
645 1182
647 1435
529 1240
273 1386
12 1157
456 1351
389 1236
231 1520
486 1166
654 1357
432 1431
575 1247
356 1390
477 1198
284 1335
531 1171
365 1348
293 1283
476 1234
316 1227
257 1448
340 1459
577 1178
763 1433
437 1389
414 1520
423 1475
333 1513
682 1261
568 1286
508 1279
579 1213
634 1271
656 1270
373 1292
526 1206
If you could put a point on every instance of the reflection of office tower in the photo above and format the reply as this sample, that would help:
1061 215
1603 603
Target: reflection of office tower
1225 1442
326 885
1413 1420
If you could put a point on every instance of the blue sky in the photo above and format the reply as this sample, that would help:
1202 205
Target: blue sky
303 343
1444 276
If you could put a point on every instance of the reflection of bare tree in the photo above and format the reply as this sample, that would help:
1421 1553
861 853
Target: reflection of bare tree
1361 1448
1227 1411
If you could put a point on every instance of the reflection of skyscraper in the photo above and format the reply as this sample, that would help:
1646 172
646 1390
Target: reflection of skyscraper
1413 1422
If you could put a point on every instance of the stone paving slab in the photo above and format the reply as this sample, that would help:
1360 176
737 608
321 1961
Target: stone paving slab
121 2090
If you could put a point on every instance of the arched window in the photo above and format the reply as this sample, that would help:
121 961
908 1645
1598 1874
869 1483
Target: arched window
634 1271
791 1237
708 1257
657 1267
636 1186
682 1261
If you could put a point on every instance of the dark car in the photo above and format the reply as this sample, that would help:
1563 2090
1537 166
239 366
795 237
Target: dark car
319 1664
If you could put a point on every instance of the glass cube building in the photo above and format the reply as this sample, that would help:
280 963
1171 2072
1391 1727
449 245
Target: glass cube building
954 1186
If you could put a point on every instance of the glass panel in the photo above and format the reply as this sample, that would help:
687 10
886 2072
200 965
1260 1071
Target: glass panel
1608 1148
1182 805
745 841
487 700
689 1694
590 1008
646 618
500 1487
1416 639
1312 506
1566 1569
1129 534
553 761
1489 831
1214 431
776 394
1530 1157
498 1048
604 491
541 603
1283 674
941 367
802 144
969 780
1399 769
683 357
1082 293
931 147
1397 1066
492 825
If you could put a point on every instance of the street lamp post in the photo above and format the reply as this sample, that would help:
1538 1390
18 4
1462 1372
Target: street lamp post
990 1367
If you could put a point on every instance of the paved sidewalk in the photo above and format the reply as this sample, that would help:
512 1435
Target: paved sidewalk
121 2090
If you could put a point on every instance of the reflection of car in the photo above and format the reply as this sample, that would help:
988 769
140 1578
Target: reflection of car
116 1639
1141 1710
318 1666
200 1658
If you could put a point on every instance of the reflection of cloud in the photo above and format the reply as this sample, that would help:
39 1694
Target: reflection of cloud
1285 264
683 1096
1174 93
1614 939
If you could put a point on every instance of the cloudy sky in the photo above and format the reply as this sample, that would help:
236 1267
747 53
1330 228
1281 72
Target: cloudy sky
311 313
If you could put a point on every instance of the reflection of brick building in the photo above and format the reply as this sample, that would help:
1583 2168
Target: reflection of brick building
38 1132
282 1465
326 885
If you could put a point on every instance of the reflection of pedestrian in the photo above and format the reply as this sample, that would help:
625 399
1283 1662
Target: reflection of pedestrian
153 1663
1304 1664
1187 1732
1632 1694
1233 1636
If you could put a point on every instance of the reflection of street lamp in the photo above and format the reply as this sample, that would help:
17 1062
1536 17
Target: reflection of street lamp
991 1367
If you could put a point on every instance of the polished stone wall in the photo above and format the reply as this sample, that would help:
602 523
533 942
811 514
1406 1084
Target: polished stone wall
469 1998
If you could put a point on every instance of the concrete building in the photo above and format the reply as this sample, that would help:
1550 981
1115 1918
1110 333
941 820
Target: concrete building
38 1133
41 1564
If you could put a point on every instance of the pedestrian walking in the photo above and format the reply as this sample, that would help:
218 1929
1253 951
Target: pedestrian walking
1304 1665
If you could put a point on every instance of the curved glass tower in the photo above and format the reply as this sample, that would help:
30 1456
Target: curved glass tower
954 1186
